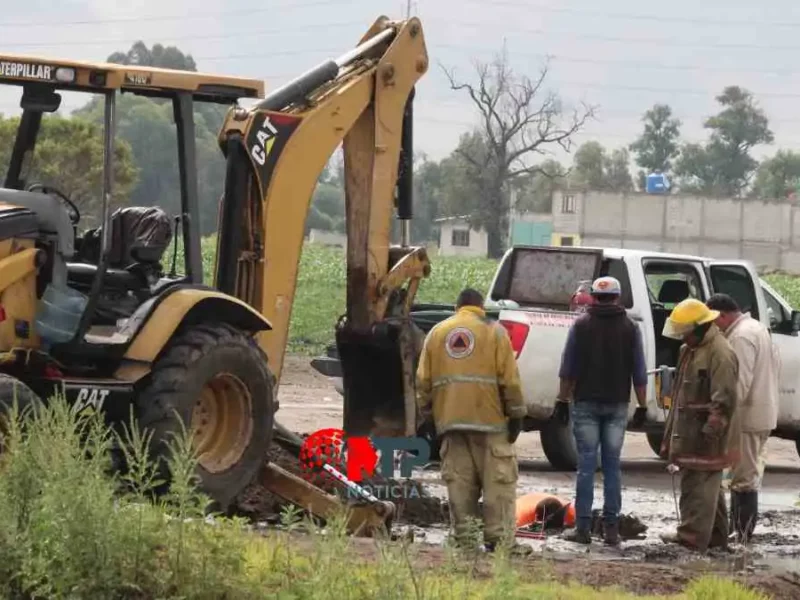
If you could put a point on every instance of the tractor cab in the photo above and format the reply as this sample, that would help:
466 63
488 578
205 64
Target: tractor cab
90 282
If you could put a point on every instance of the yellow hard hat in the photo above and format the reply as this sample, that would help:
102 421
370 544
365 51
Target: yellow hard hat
686 316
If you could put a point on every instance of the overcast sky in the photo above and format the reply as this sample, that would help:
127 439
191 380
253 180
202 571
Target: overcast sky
621 55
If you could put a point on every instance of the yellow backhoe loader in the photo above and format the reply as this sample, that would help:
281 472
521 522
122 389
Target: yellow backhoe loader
96 316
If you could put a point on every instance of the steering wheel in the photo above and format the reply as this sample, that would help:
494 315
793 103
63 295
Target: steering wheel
75 214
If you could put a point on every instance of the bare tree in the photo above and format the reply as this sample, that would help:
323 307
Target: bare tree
519 119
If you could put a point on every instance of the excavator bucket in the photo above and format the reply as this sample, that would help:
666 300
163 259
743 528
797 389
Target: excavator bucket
377 376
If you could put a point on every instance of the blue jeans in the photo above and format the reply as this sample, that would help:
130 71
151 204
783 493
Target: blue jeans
598 424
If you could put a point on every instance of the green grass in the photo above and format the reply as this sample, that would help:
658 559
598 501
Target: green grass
320 297
787 286
70 527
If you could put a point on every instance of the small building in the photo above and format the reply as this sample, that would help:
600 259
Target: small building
327 238
531 229
458 238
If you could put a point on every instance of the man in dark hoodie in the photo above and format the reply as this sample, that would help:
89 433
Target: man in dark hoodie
602 357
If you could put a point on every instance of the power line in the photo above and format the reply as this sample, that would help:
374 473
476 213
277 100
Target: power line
174 17
602 114
611 38
506 28
640 65
170 39
665 91
634 16
627 63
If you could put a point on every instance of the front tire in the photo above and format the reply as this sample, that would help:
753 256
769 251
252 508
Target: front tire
217 380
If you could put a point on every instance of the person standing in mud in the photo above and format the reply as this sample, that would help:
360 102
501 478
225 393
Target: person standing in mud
759 366
468 381
603 356
701 424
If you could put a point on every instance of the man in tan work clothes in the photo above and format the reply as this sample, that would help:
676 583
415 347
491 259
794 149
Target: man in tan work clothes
701 423
759 366
468 380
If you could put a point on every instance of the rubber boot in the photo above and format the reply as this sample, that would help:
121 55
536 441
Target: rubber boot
611 535
733 517
579 535
747 516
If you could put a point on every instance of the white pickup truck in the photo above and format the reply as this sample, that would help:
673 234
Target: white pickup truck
532 289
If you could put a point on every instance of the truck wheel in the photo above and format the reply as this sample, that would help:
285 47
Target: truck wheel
217 380
12 388
654 440
559 447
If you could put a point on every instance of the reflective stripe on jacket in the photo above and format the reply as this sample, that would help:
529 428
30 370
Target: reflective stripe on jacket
702 420
467 376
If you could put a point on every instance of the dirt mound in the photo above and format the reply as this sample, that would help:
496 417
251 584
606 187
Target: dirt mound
414 504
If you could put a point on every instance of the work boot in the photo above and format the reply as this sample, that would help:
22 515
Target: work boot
578 535
674 538
733 515
611 535
747 515
515 549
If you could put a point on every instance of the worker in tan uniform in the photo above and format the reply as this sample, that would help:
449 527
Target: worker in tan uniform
468 380
701 424
759 367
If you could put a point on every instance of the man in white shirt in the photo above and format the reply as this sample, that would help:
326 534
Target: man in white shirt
759 367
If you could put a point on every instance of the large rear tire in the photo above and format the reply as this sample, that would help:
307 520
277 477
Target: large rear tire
217 380
559 447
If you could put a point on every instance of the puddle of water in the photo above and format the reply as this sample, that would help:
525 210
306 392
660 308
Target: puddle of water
785 499
776 547
779 564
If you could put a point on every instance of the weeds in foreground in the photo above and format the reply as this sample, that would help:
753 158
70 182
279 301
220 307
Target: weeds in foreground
73 527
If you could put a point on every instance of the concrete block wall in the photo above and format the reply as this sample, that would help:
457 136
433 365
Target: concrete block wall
766 232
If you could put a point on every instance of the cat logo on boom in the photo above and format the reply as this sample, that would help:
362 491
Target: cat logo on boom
266 138
90 400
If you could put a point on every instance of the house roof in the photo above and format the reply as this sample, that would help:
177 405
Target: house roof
453 218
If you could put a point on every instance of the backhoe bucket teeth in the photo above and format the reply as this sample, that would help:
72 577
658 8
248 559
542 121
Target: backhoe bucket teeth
378 380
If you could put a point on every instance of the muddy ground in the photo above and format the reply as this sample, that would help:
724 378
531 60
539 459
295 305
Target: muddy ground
308 402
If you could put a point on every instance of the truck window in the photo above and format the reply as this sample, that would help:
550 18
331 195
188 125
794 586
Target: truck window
669 282
735 280
777 314
614 267
544 277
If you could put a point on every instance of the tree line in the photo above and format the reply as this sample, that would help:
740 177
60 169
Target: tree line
503 163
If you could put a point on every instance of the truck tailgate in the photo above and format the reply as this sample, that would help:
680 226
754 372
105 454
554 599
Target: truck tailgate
538 338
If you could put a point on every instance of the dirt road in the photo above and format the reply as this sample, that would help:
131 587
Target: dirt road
308 402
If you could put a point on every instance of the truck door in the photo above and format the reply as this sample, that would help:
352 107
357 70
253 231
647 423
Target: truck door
738 278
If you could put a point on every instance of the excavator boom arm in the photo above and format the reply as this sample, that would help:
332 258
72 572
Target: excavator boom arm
275 153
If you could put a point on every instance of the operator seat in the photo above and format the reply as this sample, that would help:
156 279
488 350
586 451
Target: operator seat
139 237
672 292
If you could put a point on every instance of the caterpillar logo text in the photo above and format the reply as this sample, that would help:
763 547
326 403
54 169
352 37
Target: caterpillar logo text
265 138
90 398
